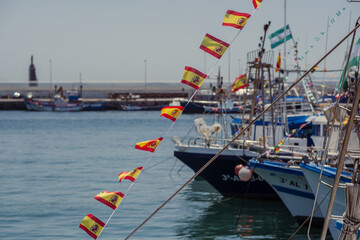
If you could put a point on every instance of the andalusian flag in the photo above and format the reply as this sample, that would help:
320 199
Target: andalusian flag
280 36
240 82
214 46
235 19
278 63
172 112
130 175
92 225
257 3
149 146
192 77
111 199
354 62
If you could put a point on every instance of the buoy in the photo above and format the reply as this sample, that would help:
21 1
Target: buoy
243 172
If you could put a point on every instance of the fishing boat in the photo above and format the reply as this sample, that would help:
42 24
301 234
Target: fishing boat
58 104
312 175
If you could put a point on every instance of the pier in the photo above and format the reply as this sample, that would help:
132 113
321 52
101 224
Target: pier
112 95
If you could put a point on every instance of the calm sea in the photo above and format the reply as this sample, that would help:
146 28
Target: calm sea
53 164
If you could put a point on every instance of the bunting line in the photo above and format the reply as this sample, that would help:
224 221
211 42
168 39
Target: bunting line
149 147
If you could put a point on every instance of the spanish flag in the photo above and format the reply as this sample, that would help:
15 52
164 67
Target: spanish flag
130 175
171 112
257 3
235 19
92 225
111 199
192 77
240 82
214 46
149 146
278 63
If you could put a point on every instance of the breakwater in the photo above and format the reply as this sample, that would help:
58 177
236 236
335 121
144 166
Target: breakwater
112 97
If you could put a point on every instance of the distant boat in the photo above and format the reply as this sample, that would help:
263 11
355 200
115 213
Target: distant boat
128 107
58 104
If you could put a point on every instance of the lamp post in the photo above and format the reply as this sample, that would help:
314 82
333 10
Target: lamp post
50 63
145 77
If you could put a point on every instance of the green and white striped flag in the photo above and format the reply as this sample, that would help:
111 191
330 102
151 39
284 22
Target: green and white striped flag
277 37
354 61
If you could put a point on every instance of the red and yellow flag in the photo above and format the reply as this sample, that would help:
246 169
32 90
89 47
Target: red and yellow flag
171 112
278 63
240 82
235 19
257 3
149 146
111 199
130 175
92 225
192 77
214 46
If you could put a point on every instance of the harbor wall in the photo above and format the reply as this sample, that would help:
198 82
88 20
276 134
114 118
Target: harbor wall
113 96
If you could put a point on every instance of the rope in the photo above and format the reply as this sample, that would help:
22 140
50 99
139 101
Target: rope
309 217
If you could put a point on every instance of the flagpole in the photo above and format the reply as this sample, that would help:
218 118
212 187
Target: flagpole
285 38
326 43
229 70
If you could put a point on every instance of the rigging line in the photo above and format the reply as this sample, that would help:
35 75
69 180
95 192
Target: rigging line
172 168
343 147
307 219
243 199
107 221
236 136
324 156
155 164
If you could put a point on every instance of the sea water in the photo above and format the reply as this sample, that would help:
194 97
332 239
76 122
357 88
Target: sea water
53 164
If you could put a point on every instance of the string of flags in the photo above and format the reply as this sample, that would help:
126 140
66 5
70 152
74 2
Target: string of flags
193 78
277 38
294 131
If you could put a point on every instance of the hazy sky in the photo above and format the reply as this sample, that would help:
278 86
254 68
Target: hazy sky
108 40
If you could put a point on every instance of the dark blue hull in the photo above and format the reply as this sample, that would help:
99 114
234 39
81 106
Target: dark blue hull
220 174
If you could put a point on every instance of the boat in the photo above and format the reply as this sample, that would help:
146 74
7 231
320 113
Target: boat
223 107
312 175
289 183
220 174
57 104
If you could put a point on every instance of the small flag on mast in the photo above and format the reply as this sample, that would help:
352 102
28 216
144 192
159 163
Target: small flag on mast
235 19
278 63
130 175
92 226
193 77
240 82
214 46
280 36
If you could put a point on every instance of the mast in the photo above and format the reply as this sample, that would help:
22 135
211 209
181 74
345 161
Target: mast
326 43
345 143
285 38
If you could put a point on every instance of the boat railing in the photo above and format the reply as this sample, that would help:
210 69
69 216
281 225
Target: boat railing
220 142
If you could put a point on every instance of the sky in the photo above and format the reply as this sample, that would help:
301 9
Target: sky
109 40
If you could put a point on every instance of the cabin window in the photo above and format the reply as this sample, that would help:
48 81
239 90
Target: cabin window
316 130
